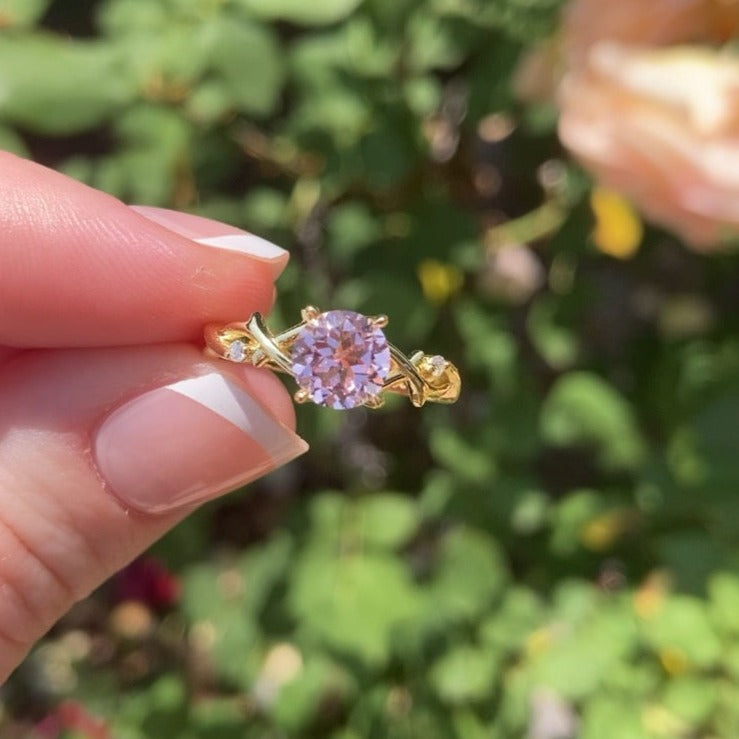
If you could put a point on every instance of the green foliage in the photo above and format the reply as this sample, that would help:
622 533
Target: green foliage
583 409
57 86
310 14
14 13
562 544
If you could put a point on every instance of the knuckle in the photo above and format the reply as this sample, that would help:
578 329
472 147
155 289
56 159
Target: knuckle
33 591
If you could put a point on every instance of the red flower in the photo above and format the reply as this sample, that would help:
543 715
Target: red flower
148 581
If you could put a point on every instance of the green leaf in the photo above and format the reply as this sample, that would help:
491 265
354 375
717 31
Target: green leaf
489 346
216 718
530 512
265 209
582 409
469 725
299 701
216 603
118 18
264 567
613 717
314 13
437 43
158 710
525 20
165 62
20 13
351 227
209 101
691 556
12 142
469 574
691 698
570 517
462 456
223 603
723 588
557 345
637 678
386 520
352 603
146 169
339 112
681 629
716 442
576 660
327 521
57 86
249 60
465 674
519 614
388 150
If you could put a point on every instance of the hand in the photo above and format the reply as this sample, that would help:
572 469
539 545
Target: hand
113 425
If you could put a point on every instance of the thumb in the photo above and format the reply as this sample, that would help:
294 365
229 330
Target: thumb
103 450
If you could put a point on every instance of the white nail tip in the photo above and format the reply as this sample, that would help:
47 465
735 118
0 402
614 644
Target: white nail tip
229 401
246 244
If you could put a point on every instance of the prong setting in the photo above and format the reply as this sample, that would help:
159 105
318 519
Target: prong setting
310 313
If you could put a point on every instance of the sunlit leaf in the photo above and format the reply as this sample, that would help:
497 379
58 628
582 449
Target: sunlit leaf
470 573
682 635
57 86
352 603
316 13
15 13
386 520
583 409
248 58
465 674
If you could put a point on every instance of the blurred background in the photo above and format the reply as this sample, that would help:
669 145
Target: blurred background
546 195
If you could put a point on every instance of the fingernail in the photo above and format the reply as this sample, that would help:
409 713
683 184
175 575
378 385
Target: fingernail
215 234
189 442
246 244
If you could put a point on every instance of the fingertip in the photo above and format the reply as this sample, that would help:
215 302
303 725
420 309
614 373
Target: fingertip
270 389
113 274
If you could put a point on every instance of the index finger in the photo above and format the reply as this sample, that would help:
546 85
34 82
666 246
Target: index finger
80 268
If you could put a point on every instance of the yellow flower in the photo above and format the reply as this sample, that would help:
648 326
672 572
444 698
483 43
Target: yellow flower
618 228
602 532
439 281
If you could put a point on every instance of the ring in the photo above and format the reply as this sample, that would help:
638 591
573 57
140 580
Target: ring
340 359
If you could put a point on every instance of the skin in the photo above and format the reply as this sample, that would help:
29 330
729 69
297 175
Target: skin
98 303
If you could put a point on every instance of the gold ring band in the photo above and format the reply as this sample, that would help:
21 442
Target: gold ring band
339 359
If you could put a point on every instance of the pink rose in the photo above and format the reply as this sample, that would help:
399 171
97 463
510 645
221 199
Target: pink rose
655 120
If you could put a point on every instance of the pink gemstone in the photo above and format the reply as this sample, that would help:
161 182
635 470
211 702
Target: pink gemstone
341 359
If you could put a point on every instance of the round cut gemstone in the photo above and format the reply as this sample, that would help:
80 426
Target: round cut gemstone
341 359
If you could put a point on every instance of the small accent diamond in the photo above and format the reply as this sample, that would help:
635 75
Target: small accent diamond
437 365
237 351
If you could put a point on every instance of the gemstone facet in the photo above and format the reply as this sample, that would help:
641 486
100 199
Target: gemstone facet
237 351
341 359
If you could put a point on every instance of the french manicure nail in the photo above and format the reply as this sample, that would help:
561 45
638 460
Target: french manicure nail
212 233
189 442
246 244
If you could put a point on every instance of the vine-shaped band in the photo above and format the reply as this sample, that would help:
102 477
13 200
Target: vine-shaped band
339 359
